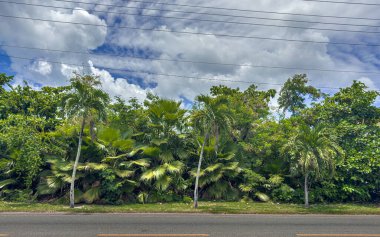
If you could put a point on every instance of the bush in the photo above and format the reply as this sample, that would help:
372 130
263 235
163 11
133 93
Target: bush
283 194
187 199
18 195
246 199
111 187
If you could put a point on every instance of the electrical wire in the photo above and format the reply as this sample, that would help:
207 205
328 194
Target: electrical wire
161 74
171 75
185 32
347 3
193 19
189 61
199 7
194 33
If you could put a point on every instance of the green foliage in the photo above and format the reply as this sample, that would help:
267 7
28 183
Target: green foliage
149 152
22 140
313 150
293 93
18 195
262 197
283 194
4 81
355 118
4 183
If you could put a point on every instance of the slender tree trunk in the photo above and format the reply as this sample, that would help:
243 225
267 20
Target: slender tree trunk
216 140
306 191
72 198
199 171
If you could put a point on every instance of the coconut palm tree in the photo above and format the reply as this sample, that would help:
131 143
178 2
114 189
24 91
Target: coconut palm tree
313 151
209 118
85 101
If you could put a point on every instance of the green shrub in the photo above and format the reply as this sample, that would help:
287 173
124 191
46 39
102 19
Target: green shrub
283 194
18 195
187 199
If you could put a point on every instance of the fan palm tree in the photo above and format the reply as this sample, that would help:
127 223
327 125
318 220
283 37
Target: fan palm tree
313 150
167 147
209 117
217 175
84 101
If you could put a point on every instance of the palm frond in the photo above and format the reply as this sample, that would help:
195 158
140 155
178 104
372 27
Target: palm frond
163 182
124 173
6 182
174 167
91 195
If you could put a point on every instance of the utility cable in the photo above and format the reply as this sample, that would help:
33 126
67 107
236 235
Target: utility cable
188 61
192 19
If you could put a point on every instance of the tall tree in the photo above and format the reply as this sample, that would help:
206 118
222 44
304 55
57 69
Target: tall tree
209 116
293 94
313 151
84 101
354 115
167 148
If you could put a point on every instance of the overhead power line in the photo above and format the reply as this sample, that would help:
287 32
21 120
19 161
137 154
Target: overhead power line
187 32
195 19
164 74
191 61
184 5
258 66
215 14
132 71
158 74
347 3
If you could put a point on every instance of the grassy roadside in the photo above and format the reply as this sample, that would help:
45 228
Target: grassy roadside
205 207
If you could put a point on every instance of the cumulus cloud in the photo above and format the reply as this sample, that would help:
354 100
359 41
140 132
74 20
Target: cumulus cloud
118 87
255 58
42 67
48 35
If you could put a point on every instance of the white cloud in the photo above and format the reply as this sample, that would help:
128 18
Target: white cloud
42 67
202 48
68 70
369 82
119 86
48 35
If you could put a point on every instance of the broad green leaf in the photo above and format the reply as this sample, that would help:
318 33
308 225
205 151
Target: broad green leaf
152 151
6 182
262 197
92 194
124 173
159 142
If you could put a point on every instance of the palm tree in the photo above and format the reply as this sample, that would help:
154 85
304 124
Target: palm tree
216 177
313 150
84 101
167 147
209 117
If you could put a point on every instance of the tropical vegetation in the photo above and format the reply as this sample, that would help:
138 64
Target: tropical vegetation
75 144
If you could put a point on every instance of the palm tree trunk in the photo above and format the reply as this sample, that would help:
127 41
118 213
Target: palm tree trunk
72 198
199 171
216 140
306 191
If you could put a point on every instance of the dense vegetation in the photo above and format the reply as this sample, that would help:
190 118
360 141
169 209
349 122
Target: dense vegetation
326 146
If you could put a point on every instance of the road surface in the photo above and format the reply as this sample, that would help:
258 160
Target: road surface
187 225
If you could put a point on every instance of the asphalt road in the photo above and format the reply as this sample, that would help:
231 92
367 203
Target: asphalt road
187 225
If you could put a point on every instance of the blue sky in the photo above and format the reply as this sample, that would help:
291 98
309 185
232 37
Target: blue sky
5 63
135 77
